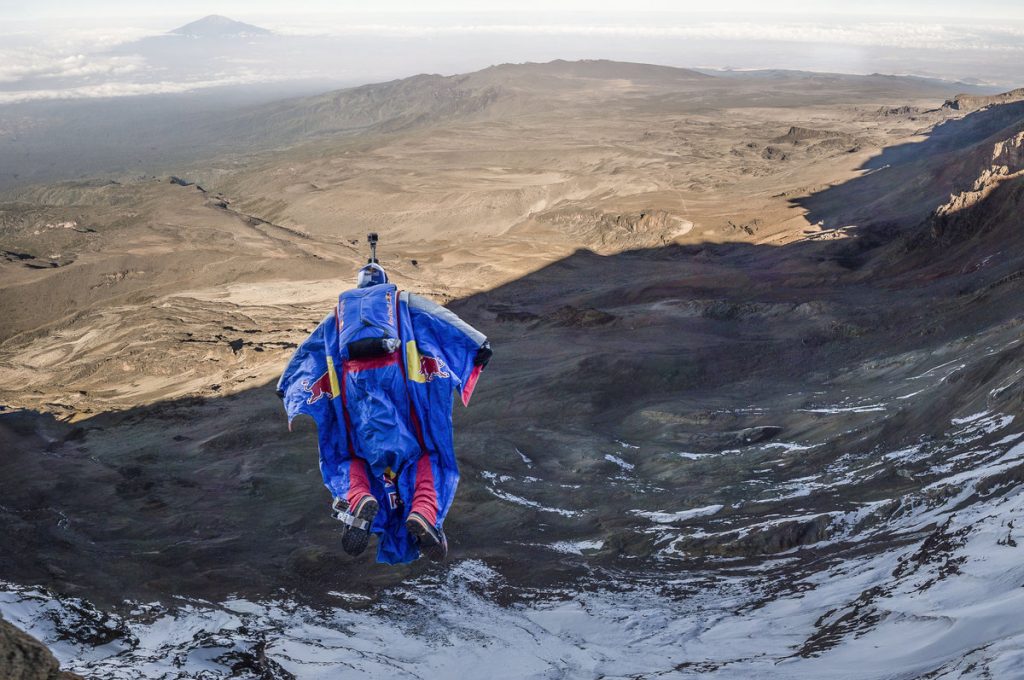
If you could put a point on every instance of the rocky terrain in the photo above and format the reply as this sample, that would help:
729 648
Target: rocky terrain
754 407
967 102
24 658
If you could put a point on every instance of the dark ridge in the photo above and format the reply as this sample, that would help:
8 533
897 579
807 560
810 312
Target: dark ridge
216 26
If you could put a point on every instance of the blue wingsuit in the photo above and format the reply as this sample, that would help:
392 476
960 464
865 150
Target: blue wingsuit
386 411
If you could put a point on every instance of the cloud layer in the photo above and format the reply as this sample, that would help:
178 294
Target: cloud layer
129 89
26 65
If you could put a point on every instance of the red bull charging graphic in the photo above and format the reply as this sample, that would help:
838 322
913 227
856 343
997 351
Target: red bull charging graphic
432 367
318 388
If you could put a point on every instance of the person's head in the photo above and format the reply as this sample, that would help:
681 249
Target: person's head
371 275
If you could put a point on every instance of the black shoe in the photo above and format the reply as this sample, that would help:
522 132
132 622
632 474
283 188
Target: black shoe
432 542
358 521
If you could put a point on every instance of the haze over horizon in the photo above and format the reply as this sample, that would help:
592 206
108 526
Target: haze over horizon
48 53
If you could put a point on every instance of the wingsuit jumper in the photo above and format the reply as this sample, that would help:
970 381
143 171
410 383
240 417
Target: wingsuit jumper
379 375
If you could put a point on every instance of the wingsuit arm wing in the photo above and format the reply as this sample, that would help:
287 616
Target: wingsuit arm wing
298 386
445 315
310 386
440 332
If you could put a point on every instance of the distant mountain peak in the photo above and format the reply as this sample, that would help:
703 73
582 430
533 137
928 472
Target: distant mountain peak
216 26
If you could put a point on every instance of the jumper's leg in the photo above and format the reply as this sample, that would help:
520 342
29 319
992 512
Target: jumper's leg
422 519
424 497
358 482
362 509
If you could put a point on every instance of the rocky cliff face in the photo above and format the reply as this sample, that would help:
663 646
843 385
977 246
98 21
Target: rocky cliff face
22 657
969 212
967 102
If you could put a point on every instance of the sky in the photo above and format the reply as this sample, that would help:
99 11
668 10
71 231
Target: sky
918 9
58 49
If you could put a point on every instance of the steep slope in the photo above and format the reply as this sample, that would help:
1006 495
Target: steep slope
762 458
799 473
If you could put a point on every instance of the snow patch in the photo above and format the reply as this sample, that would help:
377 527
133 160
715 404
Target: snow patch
575 547
526 459
694 456
681 516
618 461
519 500
867 408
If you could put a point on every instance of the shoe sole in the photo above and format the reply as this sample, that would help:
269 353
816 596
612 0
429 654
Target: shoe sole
429 545
354 541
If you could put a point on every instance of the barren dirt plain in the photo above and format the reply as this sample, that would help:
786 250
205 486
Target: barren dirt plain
103 279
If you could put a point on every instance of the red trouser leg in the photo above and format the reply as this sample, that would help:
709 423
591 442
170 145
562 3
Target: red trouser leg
358 481
424 497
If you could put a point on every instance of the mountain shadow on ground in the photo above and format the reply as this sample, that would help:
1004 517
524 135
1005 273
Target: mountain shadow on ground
696 348
682 349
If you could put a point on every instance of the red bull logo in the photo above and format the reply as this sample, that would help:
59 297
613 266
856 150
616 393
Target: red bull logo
432 367
318 388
